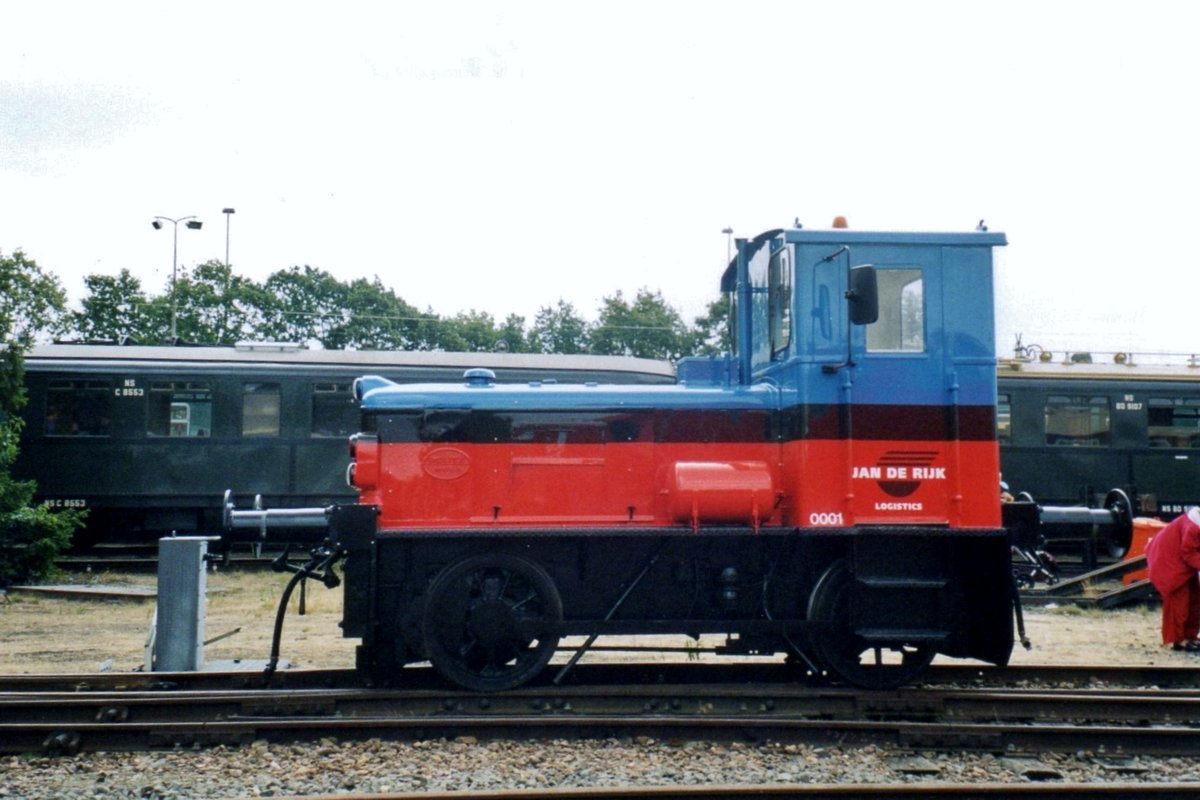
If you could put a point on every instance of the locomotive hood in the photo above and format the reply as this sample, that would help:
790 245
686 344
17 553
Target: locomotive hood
480 391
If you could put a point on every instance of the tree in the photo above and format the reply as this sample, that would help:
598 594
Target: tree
559 330
647 328
712 330
304 305
511 335
116 307
473 331
377 319
31 302
214 306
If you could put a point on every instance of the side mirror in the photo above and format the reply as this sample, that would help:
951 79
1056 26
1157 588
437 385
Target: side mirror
863 295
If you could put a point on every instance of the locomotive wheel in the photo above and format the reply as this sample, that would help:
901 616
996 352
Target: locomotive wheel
849 656
490 621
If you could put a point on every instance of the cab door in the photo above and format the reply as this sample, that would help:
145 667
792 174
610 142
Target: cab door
815 416
902 450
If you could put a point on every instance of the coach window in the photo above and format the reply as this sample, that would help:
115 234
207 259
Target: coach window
260 409
333 411
901 325
1078 421
1003 418
1173 422
78 408
179 408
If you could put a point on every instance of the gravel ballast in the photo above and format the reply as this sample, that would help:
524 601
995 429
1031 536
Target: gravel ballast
464 764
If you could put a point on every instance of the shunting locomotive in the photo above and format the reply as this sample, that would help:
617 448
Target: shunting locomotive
828 490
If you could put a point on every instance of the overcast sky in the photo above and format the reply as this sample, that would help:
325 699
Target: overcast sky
499 156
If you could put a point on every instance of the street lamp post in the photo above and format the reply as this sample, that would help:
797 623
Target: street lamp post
228 212
195 225
728 244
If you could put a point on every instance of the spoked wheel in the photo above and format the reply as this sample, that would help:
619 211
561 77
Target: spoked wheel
491 620
871 665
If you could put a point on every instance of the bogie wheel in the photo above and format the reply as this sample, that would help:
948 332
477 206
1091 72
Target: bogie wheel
491 621
870 665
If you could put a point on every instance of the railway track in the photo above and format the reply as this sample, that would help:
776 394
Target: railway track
1129 791
938 675
68 714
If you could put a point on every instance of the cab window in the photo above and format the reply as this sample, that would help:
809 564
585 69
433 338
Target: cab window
760 309
901 324
779 300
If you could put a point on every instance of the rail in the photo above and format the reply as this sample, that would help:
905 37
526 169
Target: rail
1143 721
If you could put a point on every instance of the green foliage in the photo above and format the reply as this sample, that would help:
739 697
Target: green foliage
30 538
559 330
378 319
12 389
31 301
511 335
311 307
117 307
304 305
214 306
647 328
712 330
474 331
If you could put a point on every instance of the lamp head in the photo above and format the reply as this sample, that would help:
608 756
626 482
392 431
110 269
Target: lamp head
156 224
195 224
227 211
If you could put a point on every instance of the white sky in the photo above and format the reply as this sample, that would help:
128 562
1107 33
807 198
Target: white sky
499 156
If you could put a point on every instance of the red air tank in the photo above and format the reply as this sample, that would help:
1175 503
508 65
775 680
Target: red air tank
721 492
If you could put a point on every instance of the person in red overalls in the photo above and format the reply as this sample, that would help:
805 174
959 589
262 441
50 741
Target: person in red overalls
1173 556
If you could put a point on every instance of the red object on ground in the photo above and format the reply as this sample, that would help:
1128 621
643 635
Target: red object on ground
1144 529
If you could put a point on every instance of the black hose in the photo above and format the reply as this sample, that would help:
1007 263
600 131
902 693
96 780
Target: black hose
319 566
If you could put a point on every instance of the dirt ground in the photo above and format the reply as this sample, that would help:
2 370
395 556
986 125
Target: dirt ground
66 634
